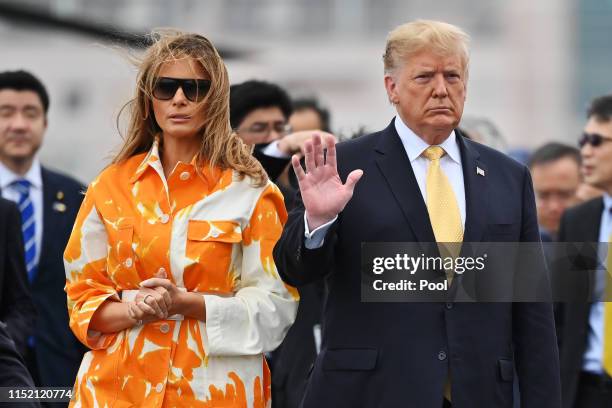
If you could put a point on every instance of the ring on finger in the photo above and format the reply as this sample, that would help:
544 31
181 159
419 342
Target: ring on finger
145 299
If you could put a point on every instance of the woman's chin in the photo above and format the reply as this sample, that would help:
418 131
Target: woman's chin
180 132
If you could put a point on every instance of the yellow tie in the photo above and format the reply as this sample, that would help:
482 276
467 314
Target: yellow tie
444 214
607 346
442 204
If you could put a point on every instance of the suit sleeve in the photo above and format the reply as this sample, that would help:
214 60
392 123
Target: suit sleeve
87 282
535 344
296 264
20 312
256 319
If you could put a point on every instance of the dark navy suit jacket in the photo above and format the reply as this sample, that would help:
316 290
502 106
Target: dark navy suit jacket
399 354
16 307
579 224
58 352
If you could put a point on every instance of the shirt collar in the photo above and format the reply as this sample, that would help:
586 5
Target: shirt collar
415 146
33 175
152 160
607 202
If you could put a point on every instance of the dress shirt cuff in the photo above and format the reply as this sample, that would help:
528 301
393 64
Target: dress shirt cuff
315 239
272 150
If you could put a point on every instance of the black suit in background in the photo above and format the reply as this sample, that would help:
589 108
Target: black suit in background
293 359
13 372
398 354
58 352
16 307
579 224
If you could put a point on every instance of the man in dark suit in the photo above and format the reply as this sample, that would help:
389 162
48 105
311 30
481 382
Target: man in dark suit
585 377
48 202
16 307
17 311
259 112
419 180
555 170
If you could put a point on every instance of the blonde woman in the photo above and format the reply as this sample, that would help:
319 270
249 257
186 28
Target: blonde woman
169 270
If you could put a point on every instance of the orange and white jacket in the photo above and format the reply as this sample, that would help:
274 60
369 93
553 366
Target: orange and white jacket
210 232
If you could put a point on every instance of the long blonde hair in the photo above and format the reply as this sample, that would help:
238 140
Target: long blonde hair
220 146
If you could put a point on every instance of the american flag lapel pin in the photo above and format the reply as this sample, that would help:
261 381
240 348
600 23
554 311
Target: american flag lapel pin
480 171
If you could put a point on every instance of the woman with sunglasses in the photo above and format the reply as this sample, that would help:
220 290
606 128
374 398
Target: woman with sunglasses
170 275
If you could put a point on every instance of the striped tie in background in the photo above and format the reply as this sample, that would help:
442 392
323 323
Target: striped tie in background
28 225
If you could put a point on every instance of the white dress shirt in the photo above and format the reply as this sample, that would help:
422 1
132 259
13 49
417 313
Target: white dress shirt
414 146
272 150
592 361
34 176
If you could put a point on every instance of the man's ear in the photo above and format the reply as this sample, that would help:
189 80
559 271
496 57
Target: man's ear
391 87
46 122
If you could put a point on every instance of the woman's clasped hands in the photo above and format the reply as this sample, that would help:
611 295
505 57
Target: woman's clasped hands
156 299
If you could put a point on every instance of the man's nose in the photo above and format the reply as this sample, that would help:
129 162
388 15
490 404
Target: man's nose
19 122
439 84
273 135
586 150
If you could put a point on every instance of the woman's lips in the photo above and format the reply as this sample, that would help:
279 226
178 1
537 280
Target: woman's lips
179 118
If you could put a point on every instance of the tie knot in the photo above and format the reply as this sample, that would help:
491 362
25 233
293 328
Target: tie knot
21 185
433 152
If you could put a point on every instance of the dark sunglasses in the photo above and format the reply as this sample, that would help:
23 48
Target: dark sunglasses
594 139
194 89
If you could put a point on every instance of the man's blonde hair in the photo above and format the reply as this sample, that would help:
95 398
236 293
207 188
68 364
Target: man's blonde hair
434 36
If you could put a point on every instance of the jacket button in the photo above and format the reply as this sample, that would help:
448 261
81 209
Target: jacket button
128 263
159 387
449 305
164 328
184 176
214 234
442 355
164 218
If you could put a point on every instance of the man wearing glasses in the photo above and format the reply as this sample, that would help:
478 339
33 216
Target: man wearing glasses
586 327
259 113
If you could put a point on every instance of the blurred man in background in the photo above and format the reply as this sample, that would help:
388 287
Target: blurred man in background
259 111
586 327
48 202
308 114
555 170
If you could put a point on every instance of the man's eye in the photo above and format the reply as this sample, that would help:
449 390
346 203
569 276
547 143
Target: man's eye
31 114
5 113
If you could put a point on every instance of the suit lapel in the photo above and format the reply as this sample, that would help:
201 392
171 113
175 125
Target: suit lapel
395 167
50 191
476 189
589 229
